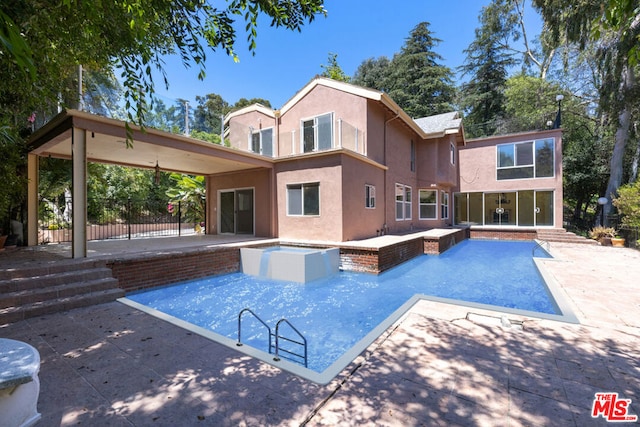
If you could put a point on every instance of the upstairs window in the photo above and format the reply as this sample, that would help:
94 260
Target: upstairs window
452 154
413 156
262 142
530 159
317 133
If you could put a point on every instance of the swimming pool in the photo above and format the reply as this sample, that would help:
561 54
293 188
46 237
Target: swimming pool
335 313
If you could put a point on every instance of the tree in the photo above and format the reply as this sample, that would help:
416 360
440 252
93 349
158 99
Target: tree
208 112
487 63
628 204
244 102
614 28
333 70
373 73
417 82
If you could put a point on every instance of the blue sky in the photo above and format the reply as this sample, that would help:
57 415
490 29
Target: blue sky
353 29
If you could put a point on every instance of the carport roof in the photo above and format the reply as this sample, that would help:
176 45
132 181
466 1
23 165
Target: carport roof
106 143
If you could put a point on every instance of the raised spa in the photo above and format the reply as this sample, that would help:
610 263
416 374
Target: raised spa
290 263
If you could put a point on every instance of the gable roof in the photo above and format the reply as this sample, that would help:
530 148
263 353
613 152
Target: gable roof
426 127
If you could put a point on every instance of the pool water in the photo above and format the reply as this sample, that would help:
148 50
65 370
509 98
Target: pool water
335 313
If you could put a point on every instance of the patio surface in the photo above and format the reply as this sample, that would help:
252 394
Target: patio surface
112 365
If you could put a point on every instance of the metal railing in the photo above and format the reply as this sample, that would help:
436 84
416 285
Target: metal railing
121 219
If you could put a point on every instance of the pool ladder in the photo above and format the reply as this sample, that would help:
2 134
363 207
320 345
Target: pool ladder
539 244
277 337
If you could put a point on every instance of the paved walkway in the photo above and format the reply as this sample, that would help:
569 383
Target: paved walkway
114 366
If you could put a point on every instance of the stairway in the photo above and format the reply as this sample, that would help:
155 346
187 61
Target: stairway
562 236
35 290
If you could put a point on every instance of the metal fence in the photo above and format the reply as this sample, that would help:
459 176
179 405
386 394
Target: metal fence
121 219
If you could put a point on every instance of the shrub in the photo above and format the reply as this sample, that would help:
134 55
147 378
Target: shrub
628 204
600 232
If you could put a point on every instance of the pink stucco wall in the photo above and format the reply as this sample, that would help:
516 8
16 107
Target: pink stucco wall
478 162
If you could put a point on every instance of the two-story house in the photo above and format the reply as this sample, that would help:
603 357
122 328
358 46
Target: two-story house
348 163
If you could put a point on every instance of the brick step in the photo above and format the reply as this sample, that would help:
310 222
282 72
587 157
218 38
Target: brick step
36 282
42 294
14 314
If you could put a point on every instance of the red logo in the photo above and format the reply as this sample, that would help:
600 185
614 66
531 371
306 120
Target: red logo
611 408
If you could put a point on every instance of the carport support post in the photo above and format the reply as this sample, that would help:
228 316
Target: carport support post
79 193
32 200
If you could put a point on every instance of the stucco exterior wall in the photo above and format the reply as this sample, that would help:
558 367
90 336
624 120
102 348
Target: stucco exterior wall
360 222
325 169
321 100
260 181
478 163
240 128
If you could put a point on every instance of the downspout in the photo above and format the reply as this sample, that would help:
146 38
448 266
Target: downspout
384 160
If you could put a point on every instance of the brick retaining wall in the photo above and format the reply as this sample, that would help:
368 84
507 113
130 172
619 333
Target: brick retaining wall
507 234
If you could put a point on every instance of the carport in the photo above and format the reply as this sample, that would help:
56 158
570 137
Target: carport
83 137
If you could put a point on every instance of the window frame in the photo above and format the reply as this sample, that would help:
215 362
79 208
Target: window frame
303 186
405 203
515 156
452 153
316 143
260 133
444 204
370 196
434 204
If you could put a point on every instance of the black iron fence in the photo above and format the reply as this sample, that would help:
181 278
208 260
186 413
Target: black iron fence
121 219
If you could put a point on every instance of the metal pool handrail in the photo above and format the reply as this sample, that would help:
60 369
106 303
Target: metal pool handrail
277 336
539 244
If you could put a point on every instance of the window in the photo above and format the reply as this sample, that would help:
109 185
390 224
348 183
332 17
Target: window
526 159
444 213
262 142
428 204
452 154
317 133
370 196
403 202
413 156
303 199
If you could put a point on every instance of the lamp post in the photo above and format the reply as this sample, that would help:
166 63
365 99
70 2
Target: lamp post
558 121
602 201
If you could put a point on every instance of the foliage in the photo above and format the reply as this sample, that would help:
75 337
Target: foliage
208 113
208 137
12 175
373 73
628 204
530 103
599 232
487 63
190 191
333 70
417 82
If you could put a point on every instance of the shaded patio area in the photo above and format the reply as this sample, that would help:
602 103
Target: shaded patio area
113 365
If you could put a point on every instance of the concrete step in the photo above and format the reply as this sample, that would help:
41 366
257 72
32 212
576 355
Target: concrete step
53 279
561 235
28 296
17 313
48 288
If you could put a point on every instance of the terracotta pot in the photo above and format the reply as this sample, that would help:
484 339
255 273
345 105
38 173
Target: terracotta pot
2 240
605 241
618 242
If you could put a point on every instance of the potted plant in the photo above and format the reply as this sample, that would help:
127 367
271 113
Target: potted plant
602 234
617 241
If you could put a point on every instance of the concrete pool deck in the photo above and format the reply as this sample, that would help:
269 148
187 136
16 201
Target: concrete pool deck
113 365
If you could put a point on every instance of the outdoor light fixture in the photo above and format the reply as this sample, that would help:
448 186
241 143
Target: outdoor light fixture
602 201
558 121
157 177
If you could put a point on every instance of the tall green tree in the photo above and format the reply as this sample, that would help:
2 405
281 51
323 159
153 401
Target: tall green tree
613 26
208 112
418 82
487 65
333 70
373 73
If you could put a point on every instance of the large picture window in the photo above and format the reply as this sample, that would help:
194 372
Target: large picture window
521 160
428 204
317 133
303 199
403 202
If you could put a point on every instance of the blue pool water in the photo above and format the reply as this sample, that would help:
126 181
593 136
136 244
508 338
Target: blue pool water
335 313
